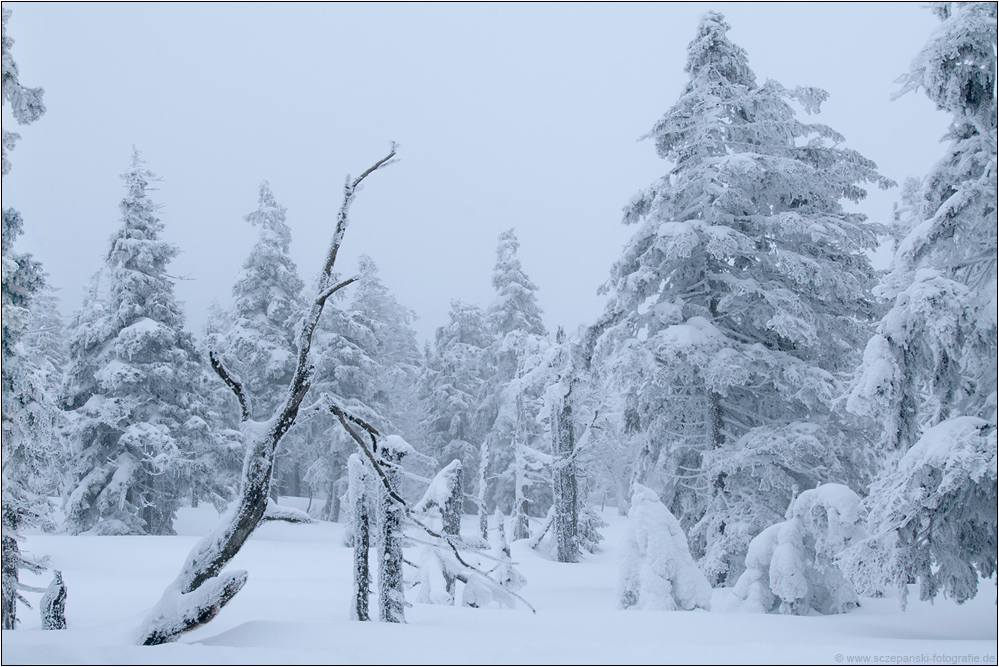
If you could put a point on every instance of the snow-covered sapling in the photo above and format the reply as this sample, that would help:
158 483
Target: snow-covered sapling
509 578
792 566
657 571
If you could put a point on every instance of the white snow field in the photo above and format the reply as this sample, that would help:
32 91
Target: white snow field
294 610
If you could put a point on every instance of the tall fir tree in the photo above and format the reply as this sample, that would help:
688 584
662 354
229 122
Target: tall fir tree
136 387
510 402
743 292
929 373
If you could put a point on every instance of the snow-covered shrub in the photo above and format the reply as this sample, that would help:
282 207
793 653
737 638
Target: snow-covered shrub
508 577
53 604
791 566
657 571
442 504
934 518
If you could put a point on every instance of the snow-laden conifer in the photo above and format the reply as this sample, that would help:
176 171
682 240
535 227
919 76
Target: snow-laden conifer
934 515
260 344
135 387
450 387
929 373
25 103
442 503
744 290
512 395
28 408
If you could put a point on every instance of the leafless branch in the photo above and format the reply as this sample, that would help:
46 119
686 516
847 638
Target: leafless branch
441 537
232 383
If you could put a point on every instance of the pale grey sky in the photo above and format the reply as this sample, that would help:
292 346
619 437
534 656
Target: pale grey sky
519 115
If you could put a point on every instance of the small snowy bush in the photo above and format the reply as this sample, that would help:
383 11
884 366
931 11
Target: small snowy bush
657 571
791 566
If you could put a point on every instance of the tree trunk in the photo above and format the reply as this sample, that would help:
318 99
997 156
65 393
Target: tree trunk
202 589
564 479
358 494
483 517
391 596
520 525
451 518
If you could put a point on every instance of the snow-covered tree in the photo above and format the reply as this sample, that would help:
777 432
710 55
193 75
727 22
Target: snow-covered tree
515 307
52 606
934 515
135 387
366 356
260 344
442 503
792 566
511 397
451 382
391 589
358 502
201 588
562 428
25 103
929 373
28 410
744 290
657 570
29 417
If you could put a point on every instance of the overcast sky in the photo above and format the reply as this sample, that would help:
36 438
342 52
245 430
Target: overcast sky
520 115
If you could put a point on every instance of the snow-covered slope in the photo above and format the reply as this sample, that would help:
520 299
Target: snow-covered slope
294 609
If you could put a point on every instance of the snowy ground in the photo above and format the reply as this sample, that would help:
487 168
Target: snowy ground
293 610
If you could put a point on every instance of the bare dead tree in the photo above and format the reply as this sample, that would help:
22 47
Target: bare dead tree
202 588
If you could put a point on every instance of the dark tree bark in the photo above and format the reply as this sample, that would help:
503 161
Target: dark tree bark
360 532
202 589
564 473
391 595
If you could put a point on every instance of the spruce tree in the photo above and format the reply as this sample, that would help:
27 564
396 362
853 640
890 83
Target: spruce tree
135 386
510 403
451 384
260 344
742 293
29 413
929 373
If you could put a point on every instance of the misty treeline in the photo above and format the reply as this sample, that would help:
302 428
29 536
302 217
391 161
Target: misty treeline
776 415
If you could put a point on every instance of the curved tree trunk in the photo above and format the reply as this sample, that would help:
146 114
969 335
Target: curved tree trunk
202 589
